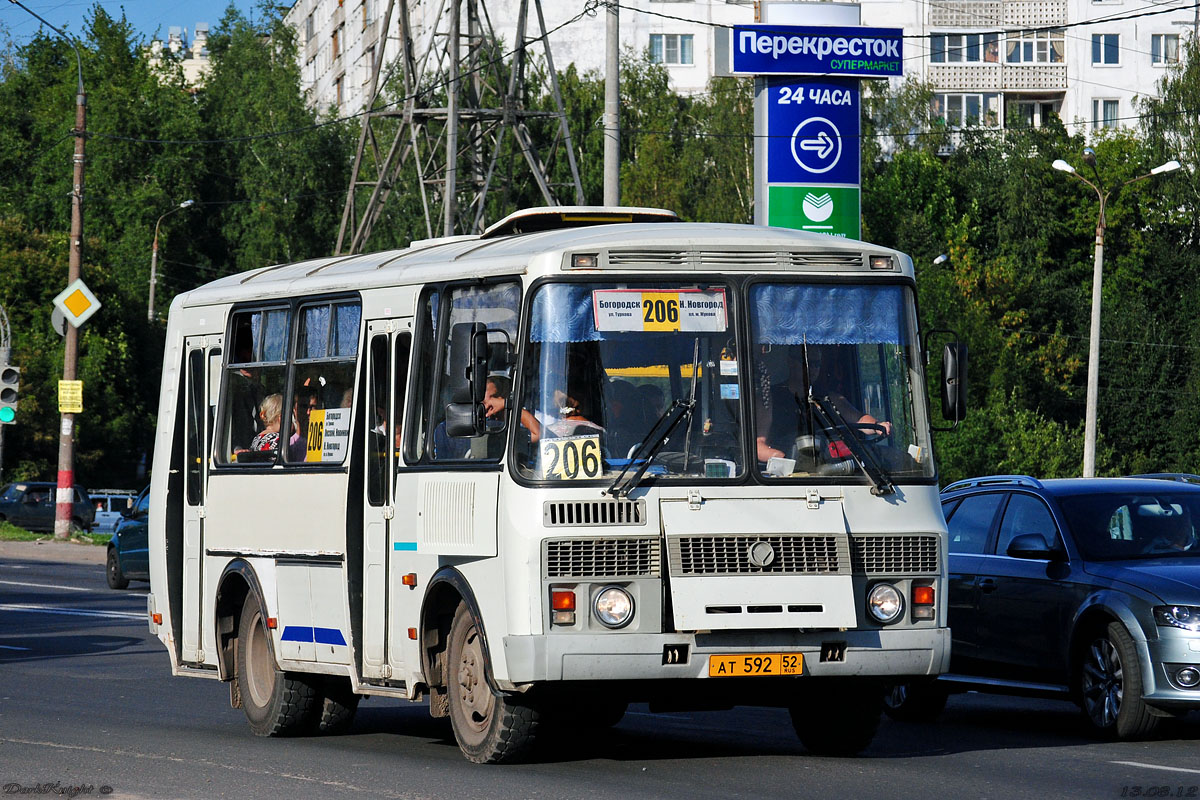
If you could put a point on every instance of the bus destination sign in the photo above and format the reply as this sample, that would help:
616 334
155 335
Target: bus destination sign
817 50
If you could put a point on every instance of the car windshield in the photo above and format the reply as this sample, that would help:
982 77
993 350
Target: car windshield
607 361
1111 527
837 382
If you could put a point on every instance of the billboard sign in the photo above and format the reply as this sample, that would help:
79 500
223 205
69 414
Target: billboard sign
817 50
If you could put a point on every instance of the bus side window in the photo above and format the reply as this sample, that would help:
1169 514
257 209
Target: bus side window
322 390
256 370
403 346
417 424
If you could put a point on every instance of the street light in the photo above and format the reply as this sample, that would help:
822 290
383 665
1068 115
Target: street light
1093 378
154 256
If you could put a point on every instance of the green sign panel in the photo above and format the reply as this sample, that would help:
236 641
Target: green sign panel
821 209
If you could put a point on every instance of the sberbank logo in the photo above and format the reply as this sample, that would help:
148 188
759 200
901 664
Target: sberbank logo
818 207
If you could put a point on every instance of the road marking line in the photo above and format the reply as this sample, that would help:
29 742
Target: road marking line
77 612
192 761
11 647
1156 766
48 586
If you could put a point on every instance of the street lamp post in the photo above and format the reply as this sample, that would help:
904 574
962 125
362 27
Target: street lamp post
154 256
1093 376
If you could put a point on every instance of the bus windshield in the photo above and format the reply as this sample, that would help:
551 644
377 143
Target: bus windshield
606 361
836 382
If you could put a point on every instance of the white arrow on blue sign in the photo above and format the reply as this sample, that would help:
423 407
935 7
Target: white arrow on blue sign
813 129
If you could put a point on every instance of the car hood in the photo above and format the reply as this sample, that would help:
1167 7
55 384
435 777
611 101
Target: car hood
1173 580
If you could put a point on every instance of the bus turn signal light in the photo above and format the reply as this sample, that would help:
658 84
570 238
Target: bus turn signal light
157 619
922 602
562 606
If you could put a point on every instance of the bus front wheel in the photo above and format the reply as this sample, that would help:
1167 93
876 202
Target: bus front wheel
490 727
276 703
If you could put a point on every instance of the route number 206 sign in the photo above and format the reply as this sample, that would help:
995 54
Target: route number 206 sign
686 310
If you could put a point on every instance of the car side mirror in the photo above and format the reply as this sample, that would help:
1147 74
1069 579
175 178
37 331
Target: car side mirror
1032 546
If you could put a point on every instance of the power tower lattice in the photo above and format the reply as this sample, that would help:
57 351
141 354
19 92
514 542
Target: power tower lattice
463 94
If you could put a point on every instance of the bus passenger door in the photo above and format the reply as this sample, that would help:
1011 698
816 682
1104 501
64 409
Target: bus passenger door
388 343
202 374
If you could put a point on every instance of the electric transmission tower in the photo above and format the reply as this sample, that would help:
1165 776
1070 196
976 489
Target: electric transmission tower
463 96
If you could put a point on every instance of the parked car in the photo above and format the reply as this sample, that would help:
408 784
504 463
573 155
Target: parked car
1087 589
30 505
128 550
109 504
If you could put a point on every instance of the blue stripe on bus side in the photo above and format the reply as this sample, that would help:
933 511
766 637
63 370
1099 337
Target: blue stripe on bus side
329 636
304 634
297 633
404 546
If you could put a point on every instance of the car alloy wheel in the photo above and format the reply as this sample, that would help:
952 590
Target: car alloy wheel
1103 683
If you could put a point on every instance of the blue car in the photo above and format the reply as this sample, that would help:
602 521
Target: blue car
128 551
1082 589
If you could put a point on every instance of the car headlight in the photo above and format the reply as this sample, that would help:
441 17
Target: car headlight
1186 617
885 603
613 606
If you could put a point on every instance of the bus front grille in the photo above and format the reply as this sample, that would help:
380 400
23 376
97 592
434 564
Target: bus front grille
609 557
803 554
892 554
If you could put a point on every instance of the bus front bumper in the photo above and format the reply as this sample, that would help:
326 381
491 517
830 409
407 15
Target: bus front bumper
634 656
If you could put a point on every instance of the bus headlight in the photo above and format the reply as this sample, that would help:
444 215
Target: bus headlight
613 606
885 603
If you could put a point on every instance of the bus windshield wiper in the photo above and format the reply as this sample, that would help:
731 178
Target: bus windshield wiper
830 417
658 436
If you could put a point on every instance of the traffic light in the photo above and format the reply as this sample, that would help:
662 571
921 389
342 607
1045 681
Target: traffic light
10 379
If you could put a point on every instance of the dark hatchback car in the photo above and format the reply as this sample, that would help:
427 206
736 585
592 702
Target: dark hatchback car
30 505
128 550
1084 589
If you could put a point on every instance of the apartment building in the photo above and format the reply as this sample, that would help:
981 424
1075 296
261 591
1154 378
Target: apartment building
193 55
993 62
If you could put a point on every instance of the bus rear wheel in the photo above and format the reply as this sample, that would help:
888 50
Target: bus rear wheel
490 727
276 703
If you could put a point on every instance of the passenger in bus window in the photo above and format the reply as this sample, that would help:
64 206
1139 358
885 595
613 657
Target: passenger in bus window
270 413
781 402
246 394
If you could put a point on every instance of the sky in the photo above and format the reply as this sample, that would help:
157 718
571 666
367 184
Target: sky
148 17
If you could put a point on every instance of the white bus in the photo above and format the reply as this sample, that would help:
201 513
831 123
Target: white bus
586 458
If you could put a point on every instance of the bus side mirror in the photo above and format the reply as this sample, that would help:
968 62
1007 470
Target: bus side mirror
468 361
954 382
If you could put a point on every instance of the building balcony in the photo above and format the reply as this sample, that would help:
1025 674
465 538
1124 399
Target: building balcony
984 14
999 77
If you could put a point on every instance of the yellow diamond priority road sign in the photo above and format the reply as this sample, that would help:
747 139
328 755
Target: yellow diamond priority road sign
77 303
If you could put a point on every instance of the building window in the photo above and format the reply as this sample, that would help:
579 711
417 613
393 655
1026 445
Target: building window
366 14
1034 47
368 65
971 48
337 40
338 85
1104 114
310 27
1105 48
967 110
1164 48
671 48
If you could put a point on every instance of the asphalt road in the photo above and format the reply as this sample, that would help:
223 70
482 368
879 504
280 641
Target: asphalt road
87 701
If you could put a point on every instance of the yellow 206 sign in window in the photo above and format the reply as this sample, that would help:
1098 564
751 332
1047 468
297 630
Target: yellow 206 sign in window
571 458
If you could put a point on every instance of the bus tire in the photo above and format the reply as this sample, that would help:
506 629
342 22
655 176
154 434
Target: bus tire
276 703
338 706
490 727
112 571
837 717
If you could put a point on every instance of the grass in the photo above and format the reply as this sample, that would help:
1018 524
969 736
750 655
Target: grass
11 533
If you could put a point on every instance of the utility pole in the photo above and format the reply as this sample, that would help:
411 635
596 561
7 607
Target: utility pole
456 148
5 355
612 107
66 431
